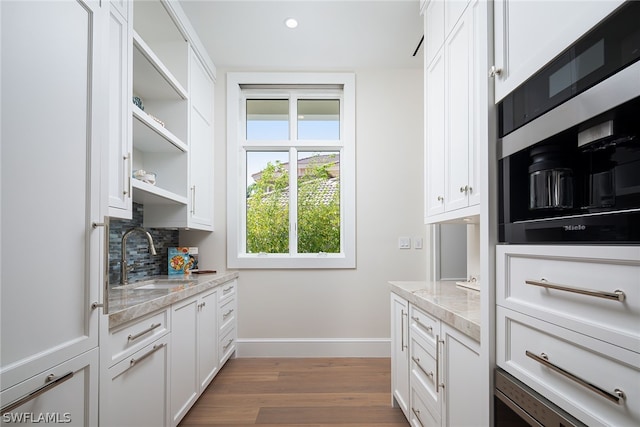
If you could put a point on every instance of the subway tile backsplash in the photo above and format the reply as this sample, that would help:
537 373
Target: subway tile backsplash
138 248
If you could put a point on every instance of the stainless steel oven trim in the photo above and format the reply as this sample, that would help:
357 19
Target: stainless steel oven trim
617 89
518 396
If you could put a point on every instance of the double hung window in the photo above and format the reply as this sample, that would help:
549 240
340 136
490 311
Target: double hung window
291 189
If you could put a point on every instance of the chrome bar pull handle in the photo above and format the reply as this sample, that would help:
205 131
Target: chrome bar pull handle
417 360
141 333
50 382
226 346
155 348
225 315
543 359
402 327
616 295
417 320
105 273
193 199
417 414
128 190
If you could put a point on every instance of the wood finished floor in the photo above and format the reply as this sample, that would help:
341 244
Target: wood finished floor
309 392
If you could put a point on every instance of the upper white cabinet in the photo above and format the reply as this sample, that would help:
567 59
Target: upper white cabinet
54 102
456 124
161 117
528 34
120 141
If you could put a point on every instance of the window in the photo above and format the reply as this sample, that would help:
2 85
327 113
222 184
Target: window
291 170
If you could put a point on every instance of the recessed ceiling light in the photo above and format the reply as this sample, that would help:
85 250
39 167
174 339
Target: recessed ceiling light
291 22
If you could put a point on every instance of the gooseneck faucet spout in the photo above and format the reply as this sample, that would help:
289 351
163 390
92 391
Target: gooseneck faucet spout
124 268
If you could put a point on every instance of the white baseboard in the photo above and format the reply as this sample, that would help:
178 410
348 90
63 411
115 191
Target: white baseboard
313 347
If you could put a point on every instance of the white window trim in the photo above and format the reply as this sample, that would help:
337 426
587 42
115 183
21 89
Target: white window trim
236 174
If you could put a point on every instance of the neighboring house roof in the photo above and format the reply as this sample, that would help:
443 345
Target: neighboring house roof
303 165
325 193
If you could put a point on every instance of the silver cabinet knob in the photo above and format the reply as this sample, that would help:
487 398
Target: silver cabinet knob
494 71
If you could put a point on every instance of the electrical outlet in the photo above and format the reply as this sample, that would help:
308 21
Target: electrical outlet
404 242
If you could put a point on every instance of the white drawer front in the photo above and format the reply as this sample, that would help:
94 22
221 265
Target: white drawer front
600 269
421 415
424 372
227 290
226 314
424 325
227 345
605 366
131 337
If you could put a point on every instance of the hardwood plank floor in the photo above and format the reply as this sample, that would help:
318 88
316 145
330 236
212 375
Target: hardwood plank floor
309 392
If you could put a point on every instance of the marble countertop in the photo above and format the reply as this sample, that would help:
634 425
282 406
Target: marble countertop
127 303
454 305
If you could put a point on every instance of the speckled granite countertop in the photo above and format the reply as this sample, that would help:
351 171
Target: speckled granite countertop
128 303
456 306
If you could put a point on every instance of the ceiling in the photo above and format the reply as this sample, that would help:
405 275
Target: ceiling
345 35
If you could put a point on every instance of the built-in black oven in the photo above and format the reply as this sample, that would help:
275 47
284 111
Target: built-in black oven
569 142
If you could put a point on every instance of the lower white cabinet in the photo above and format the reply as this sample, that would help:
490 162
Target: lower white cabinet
400 353
461 387
68 395
442 366
139 388
567 326
193 357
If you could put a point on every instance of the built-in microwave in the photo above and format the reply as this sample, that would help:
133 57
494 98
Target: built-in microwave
569 142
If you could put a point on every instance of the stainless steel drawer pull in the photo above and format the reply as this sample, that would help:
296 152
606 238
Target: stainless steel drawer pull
417 360
416 412
616 295
614 397
139 334
50 382
225 315
417 320
226 290
155 348
226 346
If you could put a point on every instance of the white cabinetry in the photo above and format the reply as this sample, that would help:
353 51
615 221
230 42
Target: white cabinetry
567 326
445 388
456 89
170 135
139 388
53 108
528 34
134 390
400 353
120 142
227 331
193 355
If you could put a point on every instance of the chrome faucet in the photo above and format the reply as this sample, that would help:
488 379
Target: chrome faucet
124 268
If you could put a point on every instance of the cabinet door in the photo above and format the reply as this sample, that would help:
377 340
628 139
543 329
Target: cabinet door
528 34
138 389
435 136
69 395
200 146
400 353
120 141
207 339
184 359
464 396
53 109
434 30
458 50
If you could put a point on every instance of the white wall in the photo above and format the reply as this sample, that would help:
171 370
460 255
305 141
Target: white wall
339 312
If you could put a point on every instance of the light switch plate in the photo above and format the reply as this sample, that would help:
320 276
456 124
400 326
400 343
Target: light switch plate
417 242
404 242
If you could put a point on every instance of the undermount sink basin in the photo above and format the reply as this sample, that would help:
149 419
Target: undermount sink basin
155 284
